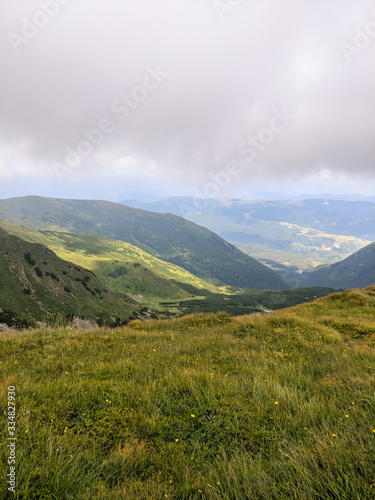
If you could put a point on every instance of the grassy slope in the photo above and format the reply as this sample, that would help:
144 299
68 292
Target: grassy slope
268 407
167 236
251 301
153 282
356 270
37 285
106 256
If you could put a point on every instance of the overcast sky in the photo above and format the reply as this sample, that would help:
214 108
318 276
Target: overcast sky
278 94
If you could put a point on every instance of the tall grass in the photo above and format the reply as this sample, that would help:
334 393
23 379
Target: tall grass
204 407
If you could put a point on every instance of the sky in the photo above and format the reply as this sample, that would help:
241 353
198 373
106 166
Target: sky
142 99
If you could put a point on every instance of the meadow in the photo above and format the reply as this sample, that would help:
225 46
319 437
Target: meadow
265 406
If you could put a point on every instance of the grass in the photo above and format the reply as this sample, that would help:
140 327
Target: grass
273 406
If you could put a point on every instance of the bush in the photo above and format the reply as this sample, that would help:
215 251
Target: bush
29 259
38 272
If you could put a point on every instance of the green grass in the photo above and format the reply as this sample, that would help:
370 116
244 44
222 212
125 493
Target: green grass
274 406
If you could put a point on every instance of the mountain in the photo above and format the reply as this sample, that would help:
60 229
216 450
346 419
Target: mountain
166 236
266 195
120 265
356 271
36 285
292 234
161 286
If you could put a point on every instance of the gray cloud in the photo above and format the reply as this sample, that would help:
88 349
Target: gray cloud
224 79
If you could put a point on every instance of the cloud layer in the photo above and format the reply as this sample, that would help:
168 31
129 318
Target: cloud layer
224 70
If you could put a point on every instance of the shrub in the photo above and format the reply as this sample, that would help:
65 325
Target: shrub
29 259
38 272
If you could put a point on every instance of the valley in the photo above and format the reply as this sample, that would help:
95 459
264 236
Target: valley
289 236
166 266
159 288
166 236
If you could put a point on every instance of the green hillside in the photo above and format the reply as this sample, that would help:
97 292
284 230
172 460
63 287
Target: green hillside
358 270
166 236
269 407
36 285
162 286
120 265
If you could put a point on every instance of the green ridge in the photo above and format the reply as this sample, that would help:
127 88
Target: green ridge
156 284
357 270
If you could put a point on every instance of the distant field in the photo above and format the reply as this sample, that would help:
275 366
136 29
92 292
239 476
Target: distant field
212 407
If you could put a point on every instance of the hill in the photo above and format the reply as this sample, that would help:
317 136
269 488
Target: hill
159 285
36 285
273 407
356 271
120 265
166 236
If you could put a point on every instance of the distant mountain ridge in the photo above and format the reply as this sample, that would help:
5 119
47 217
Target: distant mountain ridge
355 218
286 235
166 236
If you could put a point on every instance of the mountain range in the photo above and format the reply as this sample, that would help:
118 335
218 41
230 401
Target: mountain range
130 263
160 288
289 235
166 236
